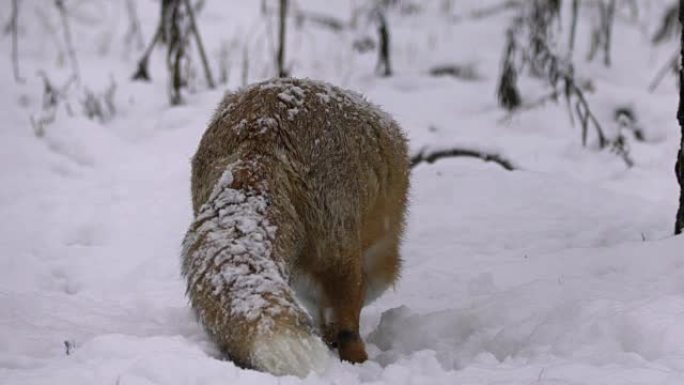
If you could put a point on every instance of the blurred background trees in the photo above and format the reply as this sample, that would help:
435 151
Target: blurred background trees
548 47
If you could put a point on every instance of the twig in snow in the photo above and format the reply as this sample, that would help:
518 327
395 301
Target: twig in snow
526 106
489 10
433 156
464 72
584 112
101 105
329 22
69 347
671 65
52 96
142 73
300 17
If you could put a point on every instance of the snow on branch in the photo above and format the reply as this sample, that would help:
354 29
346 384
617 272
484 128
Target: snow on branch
530 46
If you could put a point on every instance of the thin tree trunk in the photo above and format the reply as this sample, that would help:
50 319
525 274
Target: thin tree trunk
280 60
165 4
67 39
573 24
133 35
200 46
384 67
610 19
245 65
176 32
13 29
679 166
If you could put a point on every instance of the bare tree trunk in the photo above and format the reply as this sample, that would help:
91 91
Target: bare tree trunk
679 166
67 39
175 32
245 65
133 35
165 4
12 28
608 28
507 90
200 46
573 24
280 59
383 68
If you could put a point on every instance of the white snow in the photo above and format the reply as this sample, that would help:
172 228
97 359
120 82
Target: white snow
563 272
292 96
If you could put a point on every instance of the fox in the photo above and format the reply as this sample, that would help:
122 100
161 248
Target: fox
299 195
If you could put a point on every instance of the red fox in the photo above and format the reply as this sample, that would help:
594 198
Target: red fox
299 191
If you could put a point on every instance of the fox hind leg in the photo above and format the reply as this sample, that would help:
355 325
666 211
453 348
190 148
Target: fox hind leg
344 290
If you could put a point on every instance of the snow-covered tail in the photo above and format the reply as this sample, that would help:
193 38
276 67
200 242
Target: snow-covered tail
239 288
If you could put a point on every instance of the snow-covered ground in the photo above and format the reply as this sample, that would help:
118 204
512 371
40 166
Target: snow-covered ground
561 272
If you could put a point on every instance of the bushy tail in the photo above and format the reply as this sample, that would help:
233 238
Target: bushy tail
239 288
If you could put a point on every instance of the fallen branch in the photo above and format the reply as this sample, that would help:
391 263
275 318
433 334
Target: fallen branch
458 71
300 17
487 11
321 20
432 157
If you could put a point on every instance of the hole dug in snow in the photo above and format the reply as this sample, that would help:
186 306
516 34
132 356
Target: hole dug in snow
596 331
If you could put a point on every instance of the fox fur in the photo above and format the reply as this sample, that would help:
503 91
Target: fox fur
299 193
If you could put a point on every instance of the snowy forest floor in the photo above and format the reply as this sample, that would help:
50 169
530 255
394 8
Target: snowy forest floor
561 272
